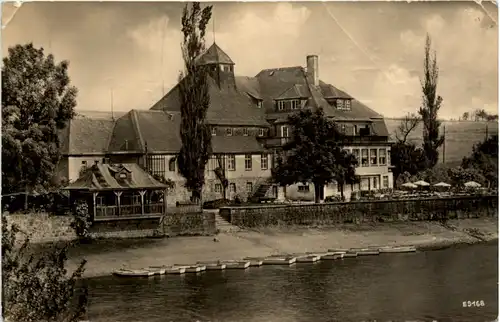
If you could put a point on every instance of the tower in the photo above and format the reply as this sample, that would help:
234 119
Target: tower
220 66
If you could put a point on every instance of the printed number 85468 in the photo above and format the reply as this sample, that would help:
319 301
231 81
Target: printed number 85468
473 303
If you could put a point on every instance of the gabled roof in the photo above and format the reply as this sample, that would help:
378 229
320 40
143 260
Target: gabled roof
228 106
214 55
236 144
125 135
103 177
296 91
330 91
85 135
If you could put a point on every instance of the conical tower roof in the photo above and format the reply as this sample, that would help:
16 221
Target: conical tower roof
214 55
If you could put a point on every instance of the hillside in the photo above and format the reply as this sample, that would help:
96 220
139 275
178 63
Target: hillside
460 136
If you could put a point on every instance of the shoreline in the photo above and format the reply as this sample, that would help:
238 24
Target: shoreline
105 256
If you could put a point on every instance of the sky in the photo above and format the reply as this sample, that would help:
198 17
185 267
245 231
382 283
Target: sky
372 50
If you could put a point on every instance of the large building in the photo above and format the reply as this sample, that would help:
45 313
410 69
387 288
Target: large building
248 118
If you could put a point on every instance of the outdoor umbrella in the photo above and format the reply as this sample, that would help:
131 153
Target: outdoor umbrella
442 184
472 184
409 185
421 183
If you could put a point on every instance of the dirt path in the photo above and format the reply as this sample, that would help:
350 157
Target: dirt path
106 256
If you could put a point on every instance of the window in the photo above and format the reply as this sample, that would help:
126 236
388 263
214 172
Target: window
342 128
382 155
355 152
303 188
171 165
227 68
375 182
248 162
84 163
156 164
229 131
264 162
364 157
218 187
96 162
355 130
295 104
231 162
340 104
373 156
245 131
249 187
259 104
261 132
385 181
284 131
214 131
348 104
232 187
281 105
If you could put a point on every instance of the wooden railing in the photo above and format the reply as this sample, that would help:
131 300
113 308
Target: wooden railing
128 211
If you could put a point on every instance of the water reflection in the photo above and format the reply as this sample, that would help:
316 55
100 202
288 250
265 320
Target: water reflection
426 286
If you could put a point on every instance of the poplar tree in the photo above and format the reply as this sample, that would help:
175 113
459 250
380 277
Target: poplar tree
194 101
431 103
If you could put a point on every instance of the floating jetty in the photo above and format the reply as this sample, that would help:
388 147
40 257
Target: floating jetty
237 264
254 261
308 259
175 270
275 260
133 273
397 249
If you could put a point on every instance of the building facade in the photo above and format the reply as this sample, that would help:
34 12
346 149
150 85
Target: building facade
248 119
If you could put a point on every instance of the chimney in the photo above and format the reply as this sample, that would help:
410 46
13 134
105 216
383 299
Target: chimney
312 69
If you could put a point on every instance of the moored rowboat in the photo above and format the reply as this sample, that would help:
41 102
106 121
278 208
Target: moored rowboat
398 249
368 252
254 261
133 272
333 256
307 259
237 264
274 260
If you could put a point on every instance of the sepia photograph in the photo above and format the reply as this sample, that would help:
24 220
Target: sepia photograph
249 161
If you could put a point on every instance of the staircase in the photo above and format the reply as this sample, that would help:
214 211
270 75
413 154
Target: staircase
222 225
261 192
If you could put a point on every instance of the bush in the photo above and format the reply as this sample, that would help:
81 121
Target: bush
81 223
38 289
216 204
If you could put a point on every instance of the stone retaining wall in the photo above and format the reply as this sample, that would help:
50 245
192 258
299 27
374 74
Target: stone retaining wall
44 228
362 211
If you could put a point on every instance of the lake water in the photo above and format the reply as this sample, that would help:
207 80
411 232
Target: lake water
422 286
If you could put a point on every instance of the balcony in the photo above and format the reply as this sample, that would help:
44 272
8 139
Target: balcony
135 211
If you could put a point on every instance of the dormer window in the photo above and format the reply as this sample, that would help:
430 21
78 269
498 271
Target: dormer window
340 104
343 104
281 105
348 104
261 132
214 131
259 104
295 104
245 131
229 131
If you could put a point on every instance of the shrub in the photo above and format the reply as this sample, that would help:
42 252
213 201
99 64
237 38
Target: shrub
216 204
38 289
81 223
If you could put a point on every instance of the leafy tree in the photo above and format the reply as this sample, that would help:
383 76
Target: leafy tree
459 175
407 125
37 101
406 157
194 101
345 171
314 153
465 116
484 158
430 107
38 288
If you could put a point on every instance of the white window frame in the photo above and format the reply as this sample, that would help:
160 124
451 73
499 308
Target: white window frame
284 128
232 187
245 131
264 161
380 156
249 187
261 132
214 131
295 104
385 182
231 162
218 188
370 157
229 131
281 105
347 104
303 188
340 104
259 104
367 157
248 161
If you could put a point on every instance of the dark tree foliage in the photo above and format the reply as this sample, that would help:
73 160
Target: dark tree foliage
36 287
37 101
194 101
431 103
484 158
406 157
314 154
